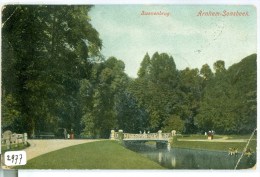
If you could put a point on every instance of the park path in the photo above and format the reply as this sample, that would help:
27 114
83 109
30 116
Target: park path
39 147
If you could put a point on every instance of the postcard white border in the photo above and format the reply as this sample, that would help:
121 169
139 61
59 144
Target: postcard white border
148 173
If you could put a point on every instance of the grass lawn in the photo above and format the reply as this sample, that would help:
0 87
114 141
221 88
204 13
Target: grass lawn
96 155
211 145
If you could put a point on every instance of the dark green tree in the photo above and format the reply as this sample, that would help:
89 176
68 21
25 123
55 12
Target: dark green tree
156 91
229 100
107 83
191 87
145 66
48 52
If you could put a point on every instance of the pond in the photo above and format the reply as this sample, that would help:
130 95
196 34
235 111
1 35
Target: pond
179 158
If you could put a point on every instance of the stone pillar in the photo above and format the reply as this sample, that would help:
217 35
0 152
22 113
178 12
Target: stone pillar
160 134
173 132
7 135
15 140
8 144
112 135
120 135
25 138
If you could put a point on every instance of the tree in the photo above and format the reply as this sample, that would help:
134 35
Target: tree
155 91
131 118
163 69
219 66
104 89
206 72
11 113
174 123
145 66
225 105
49 50
191 87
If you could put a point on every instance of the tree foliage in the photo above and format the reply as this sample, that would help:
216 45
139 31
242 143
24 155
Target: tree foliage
46 53
229 101
107 83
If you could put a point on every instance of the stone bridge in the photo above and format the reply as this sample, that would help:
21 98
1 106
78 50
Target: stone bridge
161 139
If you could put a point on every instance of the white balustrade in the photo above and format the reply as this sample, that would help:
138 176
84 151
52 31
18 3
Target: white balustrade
158 137
9 138
149 136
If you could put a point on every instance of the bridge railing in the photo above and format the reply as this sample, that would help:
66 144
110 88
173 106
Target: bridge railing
141 136
166 135
153 136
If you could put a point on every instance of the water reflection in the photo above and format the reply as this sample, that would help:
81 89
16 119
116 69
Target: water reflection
173 162
178 158
160 157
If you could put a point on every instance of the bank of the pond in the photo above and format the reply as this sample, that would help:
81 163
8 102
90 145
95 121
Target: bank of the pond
218 144
96 155
214 146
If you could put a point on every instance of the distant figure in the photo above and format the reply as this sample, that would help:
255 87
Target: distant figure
248 152
68 135
65 133
140 132
205 133
148 132
144 132
232 151
72 134
210 135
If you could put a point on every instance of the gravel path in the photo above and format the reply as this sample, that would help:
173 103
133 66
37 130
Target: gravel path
39 147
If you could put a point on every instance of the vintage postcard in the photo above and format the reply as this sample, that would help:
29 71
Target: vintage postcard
129 86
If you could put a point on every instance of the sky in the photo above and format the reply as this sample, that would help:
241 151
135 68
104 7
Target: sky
191 39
